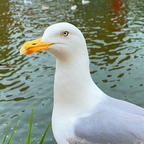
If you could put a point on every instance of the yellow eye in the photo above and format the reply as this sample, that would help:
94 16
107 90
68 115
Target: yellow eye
65 33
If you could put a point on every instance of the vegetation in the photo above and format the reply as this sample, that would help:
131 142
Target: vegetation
7 65
29 135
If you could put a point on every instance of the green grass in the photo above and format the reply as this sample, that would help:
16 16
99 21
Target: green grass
11 137
28 140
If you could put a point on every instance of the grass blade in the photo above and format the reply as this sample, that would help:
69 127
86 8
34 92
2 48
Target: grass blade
3 142
11 137
44 134
29 135
28 140
33 140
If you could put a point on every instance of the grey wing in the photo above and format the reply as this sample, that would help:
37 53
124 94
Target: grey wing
111 127
123 106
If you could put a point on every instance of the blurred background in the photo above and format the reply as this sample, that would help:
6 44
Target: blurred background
114 32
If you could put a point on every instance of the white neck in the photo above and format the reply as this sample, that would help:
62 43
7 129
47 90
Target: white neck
73 87
75 95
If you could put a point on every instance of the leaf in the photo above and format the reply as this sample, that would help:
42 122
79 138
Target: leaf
8 65
33 140
3 142
28 140
45 132
11 137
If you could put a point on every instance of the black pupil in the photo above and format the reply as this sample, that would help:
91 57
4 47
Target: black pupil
65 33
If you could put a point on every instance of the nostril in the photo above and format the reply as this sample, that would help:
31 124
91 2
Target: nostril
34 44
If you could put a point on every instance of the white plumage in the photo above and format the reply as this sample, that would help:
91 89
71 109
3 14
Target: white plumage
82 113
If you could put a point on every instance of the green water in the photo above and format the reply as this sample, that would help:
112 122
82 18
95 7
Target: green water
114 31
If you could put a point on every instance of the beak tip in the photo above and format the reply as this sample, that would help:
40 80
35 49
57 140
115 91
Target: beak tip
22 51
21 54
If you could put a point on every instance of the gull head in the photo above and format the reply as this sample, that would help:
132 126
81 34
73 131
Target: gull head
61 39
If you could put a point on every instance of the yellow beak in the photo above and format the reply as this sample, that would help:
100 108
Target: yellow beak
34 46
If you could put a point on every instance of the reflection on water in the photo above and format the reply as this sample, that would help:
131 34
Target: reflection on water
114 33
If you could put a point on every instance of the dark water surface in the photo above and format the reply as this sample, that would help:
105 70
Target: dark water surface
114 31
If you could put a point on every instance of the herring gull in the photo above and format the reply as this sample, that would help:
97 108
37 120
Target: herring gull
82 113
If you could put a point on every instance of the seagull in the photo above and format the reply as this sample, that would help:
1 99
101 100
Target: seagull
82 113
85 2
27 2
45 8
73 7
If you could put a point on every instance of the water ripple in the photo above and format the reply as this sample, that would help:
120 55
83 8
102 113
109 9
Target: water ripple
114 34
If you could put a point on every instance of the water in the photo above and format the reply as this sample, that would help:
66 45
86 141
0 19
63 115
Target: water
114 31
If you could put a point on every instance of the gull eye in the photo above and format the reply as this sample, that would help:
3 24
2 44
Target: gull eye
65 33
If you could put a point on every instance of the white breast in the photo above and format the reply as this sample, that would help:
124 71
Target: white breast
63 128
